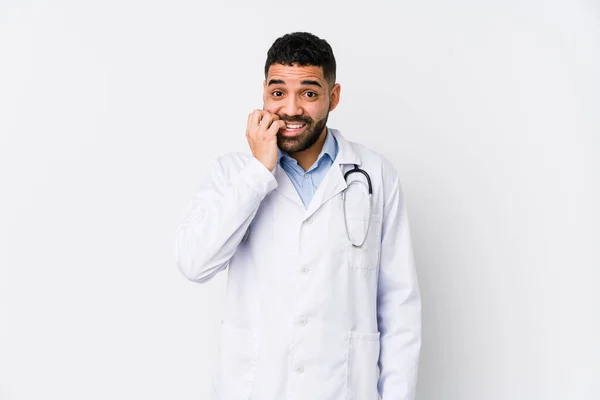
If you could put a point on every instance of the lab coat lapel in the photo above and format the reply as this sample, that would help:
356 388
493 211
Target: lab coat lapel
334 182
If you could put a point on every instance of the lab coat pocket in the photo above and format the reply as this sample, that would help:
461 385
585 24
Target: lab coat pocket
238 357
367 255
363 356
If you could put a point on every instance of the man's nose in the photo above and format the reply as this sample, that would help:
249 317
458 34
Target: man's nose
292 107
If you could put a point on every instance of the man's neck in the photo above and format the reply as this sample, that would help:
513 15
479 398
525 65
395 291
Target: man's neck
307 158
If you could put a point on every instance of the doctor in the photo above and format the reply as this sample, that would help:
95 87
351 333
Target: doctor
322 298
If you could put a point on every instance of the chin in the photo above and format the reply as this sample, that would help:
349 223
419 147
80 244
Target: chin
291 146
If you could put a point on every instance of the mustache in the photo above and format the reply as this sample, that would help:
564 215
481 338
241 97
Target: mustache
306 120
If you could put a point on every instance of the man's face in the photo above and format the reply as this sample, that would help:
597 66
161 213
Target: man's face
302 98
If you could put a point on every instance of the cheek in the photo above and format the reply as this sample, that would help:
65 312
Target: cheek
319 112
269 107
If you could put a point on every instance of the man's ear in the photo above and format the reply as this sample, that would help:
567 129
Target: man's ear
334 96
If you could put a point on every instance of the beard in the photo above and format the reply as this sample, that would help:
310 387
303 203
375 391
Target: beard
304 140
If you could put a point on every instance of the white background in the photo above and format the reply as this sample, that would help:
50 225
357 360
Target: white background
111 111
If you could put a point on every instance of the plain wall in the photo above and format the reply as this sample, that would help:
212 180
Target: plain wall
111 111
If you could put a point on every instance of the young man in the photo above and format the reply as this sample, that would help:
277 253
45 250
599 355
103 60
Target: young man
322 296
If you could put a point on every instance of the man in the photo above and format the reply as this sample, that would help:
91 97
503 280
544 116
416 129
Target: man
322 296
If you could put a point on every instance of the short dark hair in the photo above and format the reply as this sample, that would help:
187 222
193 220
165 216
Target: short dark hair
302 48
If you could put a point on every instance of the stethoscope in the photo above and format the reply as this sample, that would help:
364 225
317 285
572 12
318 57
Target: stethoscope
369 189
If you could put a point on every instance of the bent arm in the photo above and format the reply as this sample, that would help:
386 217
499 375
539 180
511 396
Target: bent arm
398 304
218 215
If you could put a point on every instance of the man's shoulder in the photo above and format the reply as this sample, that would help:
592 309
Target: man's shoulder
379 166
374 158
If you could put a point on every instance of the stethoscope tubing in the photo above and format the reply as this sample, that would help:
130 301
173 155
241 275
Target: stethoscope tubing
369 189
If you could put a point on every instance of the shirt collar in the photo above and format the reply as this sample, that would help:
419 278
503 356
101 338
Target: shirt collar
329 148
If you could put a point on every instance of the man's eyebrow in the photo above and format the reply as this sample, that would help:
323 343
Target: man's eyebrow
276 82
311 83
305 83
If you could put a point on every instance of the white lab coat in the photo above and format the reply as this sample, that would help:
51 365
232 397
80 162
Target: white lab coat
307 315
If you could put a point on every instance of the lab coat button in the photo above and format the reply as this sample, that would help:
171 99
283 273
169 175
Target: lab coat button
302 321
303 270
300 370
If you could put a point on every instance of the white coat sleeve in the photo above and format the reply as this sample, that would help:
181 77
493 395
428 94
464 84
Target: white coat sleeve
218 215
398 304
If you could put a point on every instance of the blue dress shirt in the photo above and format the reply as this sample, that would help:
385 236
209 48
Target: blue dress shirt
307 183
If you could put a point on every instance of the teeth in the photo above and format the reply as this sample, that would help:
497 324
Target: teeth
295 126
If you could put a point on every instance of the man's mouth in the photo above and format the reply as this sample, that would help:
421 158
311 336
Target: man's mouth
293 128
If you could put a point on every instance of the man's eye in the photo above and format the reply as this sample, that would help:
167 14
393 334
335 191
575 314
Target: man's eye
311 94
277 93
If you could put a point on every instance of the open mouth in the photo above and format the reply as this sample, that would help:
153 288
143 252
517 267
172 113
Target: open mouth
292 129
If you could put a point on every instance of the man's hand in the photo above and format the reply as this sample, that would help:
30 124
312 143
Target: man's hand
261 133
